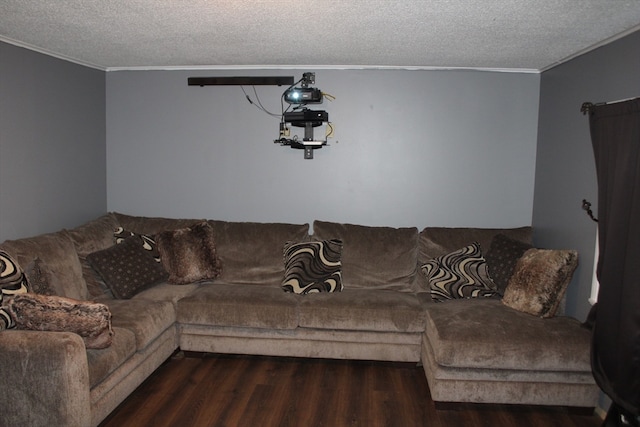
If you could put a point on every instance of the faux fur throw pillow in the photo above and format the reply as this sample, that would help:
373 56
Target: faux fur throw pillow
189 254
539 281
90 320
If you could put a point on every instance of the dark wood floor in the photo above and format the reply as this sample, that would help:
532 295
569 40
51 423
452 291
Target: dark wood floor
253 391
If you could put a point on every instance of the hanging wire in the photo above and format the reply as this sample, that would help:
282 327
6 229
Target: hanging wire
258 103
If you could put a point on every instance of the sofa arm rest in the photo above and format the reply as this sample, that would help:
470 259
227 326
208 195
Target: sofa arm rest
44 379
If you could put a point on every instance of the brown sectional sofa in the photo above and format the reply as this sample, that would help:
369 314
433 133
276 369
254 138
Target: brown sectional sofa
472 350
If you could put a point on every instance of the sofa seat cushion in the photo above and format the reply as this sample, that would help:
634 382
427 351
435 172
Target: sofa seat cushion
145 318
374 257
362 310
253 306
168 292
103 362
486 334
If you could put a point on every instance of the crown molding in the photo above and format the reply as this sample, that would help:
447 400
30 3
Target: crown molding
51 54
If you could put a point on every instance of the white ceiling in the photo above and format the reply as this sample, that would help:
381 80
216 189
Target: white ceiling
522 35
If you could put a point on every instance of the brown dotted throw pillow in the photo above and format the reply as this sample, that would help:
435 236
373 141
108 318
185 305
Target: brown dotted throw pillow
127 268
502 257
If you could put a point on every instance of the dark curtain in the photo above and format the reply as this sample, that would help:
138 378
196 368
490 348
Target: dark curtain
615 134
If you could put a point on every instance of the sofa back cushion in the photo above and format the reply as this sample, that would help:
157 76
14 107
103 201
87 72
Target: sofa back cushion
93 236
57 254
374 257
252 253
152 225
438 241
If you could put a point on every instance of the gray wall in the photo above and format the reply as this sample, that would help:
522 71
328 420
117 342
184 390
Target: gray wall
448 148
565 170
52 143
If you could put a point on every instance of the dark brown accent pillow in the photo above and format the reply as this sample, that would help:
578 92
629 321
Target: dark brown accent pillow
90 320
189 254
146 241
127 268
540 280
502 257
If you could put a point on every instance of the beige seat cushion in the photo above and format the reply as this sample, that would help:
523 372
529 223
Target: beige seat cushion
168 292
105 361
253 306
145 318
486 334
362 310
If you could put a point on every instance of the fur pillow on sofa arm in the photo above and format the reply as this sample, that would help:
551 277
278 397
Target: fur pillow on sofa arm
90 320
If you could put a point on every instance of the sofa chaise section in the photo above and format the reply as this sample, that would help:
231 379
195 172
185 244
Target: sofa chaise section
485 352
480 350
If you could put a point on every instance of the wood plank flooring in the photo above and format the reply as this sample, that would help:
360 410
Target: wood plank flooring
254 391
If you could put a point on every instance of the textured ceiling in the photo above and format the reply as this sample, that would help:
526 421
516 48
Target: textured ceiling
488 34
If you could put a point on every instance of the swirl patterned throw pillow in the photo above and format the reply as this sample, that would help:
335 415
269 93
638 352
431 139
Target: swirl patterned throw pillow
313 267
459 274
12 282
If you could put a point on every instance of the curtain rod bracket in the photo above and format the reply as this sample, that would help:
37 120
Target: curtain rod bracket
586 107
586 205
